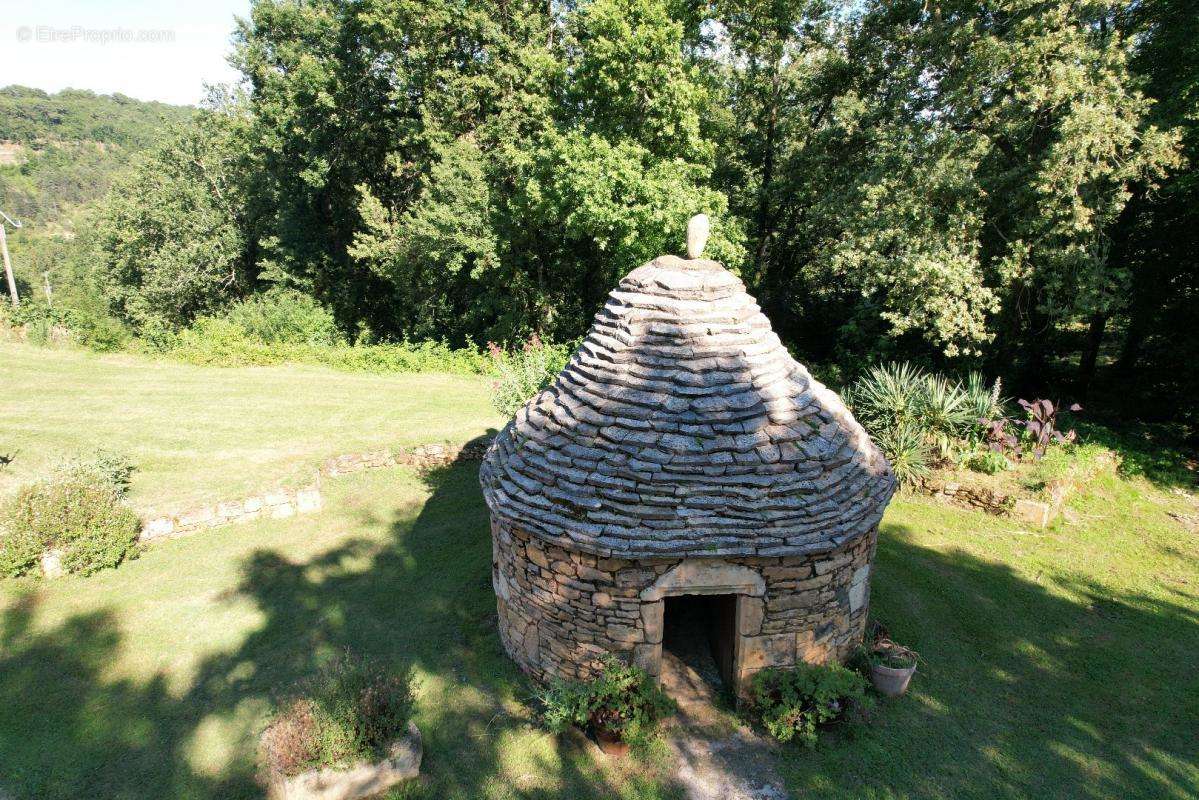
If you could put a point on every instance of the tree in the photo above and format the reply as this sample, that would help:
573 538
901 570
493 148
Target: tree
172 236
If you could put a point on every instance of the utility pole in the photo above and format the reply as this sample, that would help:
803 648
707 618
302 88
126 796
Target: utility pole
12 282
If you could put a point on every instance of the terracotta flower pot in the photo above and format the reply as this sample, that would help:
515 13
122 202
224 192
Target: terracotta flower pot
610 743
891 681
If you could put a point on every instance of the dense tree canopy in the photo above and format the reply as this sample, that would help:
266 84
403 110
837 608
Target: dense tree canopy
994 182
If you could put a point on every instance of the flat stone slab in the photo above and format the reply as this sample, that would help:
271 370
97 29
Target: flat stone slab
358 781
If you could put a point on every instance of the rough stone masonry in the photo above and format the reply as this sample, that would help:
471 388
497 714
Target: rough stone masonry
682 451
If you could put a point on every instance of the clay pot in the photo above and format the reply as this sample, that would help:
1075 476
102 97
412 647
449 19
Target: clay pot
610 743
891 681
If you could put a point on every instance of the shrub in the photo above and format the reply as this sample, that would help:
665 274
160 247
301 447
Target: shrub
48 325
983 401
796 703
219 342
917 418
1041 427
350 711
887 396
284 316
79 509
524 372
988 462
944 413
906 448
623 701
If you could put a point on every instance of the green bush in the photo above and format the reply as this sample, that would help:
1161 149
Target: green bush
284 316
906 447
988 462
351 711
79 509
44 323
221 342
623 700
524 372
919 418
796 703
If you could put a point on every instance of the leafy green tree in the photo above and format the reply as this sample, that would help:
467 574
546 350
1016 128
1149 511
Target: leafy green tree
171 237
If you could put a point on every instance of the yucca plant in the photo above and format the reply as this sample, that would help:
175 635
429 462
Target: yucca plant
985 402
888 395
944 413
906 448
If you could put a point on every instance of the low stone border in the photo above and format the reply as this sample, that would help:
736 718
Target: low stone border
1038 513
979 498
358 781
279 504
284 503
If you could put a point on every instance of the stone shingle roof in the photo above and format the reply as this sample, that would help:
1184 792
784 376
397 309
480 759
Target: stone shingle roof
683 427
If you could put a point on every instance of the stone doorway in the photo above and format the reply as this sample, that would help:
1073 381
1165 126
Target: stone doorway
700 630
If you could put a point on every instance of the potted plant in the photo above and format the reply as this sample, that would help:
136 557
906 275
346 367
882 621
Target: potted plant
891 667
621 704
346 733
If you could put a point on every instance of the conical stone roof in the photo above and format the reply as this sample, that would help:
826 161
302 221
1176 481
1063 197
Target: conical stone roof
683 427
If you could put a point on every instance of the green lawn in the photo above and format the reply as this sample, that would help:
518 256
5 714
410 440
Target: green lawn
199 434
1058 664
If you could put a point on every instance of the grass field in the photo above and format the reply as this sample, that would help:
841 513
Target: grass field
200 434
1058 664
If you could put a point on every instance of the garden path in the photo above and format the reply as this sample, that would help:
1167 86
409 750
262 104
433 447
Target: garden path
718 759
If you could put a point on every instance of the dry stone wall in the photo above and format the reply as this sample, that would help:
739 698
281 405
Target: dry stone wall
561 610
284 503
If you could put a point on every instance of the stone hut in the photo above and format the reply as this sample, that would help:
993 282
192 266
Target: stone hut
682 454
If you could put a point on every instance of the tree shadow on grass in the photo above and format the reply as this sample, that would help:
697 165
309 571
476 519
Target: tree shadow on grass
1031 687
418 595
1050 687
68 732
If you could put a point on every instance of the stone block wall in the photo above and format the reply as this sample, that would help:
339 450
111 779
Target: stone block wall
278 504
283 503
560 611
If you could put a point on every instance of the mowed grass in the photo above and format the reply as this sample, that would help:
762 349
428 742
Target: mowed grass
199 434
1057 664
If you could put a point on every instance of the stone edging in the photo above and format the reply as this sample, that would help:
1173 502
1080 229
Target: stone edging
359 780
284 503
1038 513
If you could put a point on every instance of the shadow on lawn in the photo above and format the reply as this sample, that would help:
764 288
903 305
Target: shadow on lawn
422 595
1045 688
1030 689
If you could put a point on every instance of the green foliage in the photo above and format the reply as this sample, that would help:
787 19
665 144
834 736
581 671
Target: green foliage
520 196
623 701
219 342
31 116
983 401
988 462
283 316
68 147
905 445
524 372
795 703
351 711
917 417
79 509
171 235
971 184
44 324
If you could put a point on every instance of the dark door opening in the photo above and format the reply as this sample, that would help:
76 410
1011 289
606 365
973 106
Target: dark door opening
700 630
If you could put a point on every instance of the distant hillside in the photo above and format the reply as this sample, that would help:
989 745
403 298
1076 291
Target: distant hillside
33 117
61 151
